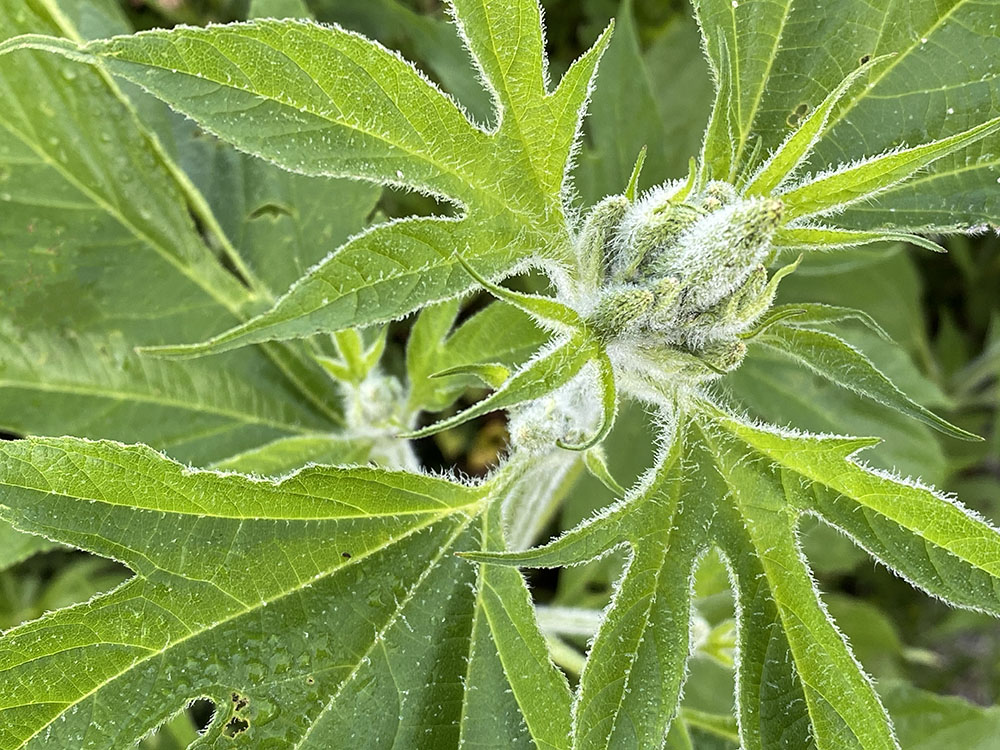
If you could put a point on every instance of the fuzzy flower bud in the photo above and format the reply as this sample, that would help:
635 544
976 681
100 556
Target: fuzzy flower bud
644 244
680 273
567 414
718 253
618 310
595 243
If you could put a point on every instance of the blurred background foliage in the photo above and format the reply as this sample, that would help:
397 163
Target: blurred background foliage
943 311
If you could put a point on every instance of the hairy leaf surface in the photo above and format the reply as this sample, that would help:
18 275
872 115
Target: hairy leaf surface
298 653
741 488
327 603
323 101
92 205
941 79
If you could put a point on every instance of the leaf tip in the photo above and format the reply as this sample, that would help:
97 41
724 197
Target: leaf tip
176 351
44 43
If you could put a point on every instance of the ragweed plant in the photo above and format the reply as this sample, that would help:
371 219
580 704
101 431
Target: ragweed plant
299 570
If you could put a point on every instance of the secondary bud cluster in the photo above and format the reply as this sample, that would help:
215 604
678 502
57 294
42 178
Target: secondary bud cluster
680 271
567 415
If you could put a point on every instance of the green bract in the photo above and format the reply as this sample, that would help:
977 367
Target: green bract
293 564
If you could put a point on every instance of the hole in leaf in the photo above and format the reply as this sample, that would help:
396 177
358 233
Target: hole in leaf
239 702
235 726
798 114
310 680
183 728
201 712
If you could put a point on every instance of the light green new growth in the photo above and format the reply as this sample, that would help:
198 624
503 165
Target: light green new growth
312 582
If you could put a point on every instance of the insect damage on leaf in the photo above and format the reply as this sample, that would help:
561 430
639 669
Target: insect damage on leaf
345 604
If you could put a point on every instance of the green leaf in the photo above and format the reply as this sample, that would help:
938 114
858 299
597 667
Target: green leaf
269 88
54 581
342 114
783 65
631 684
499 333
279 9
834 238
932 541
597 464
888 286
491 374
743 488
926 721
549 370
624 117
429 331
363 284
547 311
433 40
798 678
678 73
835 190
724 727
834 359
818 314
779 390
16 546
91 204
742 40
246 620
282 222
94 385
785 161
936 85
718 146
505 40
287 454
872 634
61 169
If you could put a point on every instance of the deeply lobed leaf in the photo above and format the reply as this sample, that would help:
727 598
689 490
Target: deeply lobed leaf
347 623
322 101
741 488
276 89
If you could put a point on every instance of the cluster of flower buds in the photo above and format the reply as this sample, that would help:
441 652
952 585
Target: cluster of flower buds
681 272
671 284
